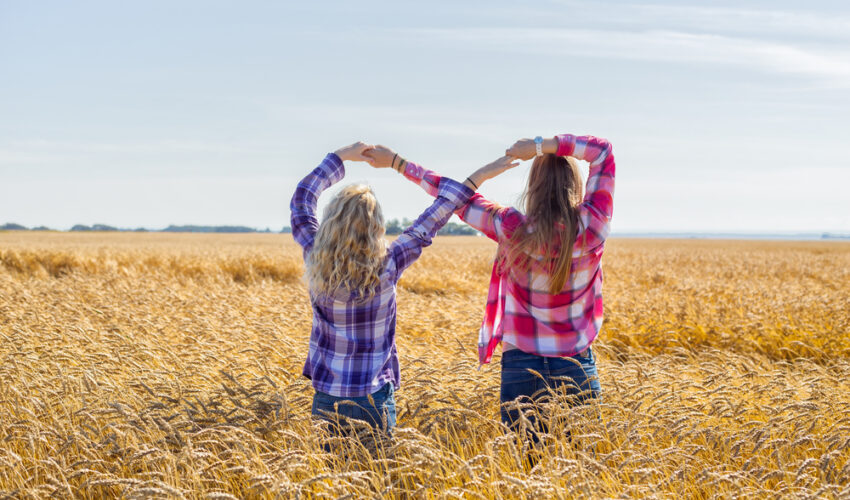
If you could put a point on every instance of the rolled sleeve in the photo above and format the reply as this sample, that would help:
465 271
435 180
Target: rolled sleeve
304 201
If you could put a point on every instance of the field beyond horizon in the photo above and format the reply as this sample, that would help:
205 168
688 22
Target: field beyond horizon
151 365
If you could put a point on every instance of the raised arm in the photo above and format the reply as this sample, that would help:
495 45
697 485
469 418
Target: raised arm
408 246
600 180
598 205
302 207
599 193
479 213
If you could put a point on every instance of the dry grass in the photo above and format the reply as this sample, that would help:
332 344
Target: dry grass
169 366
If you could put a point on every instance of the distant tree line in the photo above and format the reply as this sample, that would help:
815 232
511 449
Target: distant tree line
11 226
394 227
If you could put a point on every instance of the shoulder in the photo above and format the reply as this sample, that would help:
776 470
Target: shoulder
511 219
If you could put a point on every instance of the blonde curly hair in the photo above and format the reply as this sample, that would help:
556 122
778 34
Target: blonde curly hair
349 250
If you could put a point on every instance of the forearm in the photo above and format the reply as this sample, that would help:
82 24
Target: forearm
476 179
408 246
426 179
450 196
599 191
328 173
586 147
429 180
490 170
303 204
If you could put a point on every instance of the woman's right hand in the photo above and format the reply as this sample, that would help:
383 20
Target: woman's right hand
354 152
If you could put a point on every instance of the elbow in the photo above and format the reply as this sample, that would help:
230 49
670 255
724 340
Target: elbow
300 197
293 201
604 146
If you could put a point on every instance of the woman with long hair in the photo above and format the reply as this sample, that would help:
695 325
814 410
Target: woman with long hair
544 304
352 273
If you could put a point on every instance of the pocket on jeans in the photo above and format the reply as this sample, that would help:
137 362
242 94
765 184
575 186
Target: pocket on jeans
380 396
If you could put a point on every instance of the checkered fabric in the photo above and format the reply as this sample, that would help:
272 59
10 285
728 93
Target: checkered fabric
520 310
352 343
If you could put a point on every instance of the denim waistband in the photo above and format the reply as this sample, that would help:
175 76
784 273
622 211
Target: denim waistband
520 354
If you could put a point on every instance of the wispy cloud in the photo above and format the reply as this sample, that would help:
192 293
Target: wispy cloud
778 23
164 146
827 65
773 23
422 119
34 152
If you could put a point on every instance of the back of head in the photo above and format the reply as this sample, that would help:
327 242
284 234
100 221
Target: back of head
349 250
551 201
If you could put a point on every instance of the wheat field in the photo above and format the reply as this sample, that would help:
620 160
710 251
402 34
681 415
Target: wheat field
168 366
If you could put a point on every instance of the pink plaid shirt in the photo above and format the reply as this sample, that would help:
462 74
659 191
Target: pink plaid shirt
520 310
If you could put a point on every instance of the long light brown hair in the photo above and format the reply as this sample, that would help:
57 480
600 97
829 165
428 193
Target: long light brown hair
349 250
549 232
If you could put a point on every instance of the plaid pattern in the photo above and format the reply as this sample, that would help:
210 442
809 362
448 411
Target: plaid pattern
520 310
352 344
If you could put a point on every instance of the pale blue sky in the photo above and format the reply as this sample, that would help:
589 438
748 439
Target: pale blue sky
724 116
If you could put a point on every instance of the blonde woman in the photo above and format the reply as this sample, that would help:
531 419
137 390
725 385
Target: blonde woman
544 304
352 272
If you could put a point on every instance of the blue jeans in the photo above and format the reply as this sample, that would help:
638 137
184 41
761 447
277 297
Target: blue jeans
335 409
575 376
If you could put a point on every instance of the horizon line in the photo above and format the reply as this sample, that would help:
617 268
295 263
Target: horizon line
235 228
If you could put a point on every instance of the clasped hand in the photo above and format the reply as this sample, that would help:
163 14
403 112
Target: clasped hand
380 156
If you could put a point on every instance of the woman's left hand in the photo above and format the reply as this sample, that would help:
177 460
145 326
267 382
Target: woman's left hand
523 149
354 152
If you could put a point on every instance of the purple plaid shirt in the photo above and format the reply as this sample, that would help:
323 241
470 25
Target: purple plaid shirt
352 344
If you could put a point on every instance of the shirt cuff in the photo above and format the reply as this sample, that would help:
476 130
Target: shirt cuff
414 172
566 144
454 191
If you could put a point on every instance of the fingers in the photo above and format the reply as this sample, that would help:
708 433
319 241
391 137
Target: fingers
509 162
376 155
505 163
523 149
361 151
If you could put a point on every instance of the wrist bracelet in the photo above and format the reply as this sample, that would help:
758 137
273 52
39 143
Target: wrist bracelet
401 164
471 182
393 162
